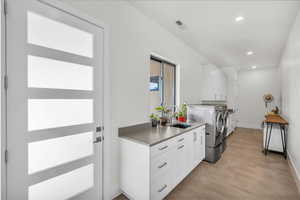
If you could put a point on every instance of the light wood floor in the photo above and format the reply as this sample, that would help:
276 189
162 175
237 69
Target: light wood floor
243 173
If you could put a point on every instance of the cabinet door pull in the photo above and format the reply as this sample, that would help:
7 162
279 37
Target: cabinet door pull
180 147
161 166
180 140
163 188
162 148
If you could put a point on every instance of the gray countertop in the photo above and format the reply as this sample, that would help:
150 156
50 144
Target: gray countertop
145 134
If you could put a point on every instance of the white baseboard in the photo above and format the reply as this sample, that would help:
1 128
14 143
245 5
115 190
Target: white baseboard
249 125
116 194
295 172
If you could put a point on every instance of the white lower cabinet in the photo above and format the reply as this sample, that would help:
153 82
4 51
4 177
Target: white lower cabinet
230 124
199 145
181 159
161 186
150 173
202 144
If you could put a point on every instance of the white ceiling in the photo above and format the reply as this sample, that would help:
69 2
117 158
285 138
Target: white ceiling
210 28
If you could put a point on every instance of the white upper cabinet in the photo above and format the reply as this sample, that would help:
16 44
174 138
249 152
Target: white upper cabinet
214 84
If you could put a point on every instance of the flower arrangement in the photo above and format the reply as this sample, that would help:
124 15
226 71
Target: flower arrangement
182 113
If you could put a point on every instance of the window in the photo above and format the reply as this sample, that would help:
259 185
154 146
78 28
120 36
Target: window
162 85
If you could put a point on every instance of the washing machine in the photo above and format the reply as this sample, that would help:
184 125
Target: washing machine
214 117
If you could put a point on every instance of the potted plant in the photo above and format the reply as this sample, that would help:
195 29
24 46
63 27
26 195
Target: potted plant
182 113
164 111
154 119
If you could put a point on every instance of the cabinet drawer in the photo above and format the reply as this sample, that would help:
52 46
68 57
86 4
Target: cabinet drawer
161 148
160 188
180 139
160 165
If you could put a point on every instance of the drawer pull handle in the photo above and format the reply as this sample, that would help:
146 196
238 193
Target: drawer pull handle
163 188
180 139
162 148
181 147
161 166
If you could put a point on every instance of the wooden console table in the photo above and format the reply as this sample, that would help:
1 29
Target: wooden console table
276 120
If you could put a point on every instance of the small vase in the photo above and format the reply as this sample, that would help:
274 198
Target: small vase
163 121
154 122
182 119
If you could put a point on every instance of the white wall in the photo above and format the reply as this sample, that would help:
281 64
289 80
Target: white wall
133 37
290 91
252 85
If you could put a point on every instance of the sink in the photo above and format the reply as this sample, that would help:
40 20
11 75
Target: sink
178 125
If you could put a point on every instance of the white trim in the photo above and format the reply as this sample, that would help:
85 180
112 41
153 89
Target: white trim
178 85
107 118
3 103
295 172
177 75
73 11
117 195
162 58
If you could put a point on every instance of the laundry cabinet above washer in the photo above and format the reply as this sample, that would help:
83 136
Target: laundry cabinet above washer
214 84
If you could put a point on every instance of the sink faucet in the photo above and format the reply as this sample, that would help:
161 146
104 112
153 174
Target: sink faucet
173 109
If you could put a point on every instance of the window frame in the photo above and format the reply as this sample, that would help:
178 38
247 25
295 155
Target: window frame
161 79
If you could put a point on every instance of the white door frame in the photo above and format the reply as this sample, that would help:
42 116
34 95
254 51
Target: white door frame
107 108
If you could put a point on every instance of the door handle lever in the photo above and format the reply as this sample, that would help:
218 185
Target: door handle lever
98 140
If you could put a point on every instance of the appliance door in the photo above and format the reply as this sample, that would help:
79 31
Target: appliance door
225 117
220 122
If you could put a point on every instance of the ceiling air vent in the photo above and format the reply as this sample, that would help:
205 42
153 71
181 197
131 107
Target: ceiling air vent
180 24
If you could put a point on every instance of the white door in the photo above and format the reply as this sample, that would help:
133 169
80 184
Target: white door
197 147
180 160
189 152
202 144
54 104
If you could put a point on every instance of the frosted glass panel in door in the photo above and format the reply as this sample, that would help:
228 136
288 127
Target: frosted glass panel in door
64 186
52 113
50 153
52 34
49 73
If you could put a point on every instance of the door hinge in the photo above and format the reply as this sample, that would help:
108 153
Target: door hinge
5 82
6 156
5 7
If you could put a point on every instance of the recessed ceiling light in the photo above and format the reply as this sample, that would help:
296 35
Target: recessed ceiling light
249 53
239 18
253 67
